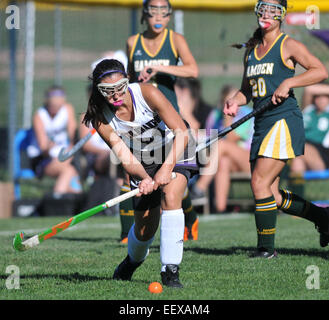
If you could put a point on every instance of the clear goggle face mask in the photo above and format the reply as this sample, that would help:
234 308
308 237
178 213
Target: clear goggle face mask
163 11
108 90
273 11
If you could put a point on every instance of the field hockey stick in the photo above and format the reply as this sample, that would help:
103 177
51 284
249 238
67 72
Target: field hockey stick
204 145
234 125
64 155
20 244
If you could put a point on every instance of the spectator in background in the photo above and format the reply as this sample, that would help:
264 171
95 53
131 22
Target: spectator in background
191 104
310 92
231 154
316 123
96 151
54 126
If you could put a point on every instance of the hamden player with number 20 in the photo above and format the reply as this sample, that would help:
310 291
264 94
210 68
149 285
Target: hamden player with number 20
270 61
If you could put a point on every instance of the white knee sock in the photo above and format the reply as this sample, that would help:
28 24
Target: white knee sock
137 250
171 237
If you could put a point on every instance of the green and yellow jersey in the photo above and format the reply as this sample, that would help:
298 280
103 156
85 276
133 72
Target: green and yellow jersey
166 55
279 131
265 74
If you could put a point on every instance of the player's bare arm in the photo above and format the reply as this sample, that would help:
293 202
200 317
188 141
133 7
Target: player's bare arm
189 68
241 97
294 52
129 162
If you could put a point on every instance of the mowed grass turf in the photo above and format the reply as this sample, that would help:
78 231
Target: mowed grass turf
79 262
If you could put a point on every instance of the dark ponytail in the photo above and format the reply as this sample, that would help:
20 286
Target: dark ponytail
256 39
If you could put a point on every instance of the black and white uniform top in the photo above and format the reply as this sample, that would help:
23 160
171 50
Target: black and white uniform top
146 133
147 136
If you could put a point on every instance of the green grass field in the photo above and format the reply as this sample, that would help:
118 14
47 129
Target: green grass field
79 263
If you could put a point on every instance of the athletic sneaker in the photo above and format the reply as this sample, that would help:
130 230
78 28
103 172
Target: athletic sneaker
170 277
324 240
124 240
264 254
324 231
125 269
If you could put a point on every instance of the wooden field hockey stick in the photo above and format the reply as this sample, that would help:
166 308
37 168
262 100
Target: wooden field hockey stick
20 244
64 155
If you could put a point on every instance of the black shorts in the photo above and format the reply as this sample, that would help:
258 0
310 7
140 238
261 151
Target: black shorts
324 152
153 200
187 168
39 164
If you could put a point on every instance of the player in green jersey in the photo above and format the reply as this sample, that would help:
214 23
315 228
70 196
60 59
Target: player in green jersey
270 61
159 49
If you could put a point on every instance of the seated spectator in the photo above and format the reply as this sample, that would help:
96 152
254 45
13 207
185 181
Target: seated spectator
310 92
97 153
192 107
54 126
230 154
316 123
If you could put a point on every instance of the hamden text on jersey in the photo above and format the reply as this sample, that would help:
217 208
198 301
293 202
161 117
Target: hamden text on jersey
259 69
139 65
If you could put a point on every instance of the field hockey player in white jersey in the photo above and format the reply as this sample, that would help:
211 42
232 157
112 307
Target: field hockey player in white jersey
148 136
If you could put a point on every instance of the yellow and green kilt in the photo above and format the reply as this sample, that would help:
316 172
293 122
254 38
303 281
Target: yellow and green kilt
279 137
